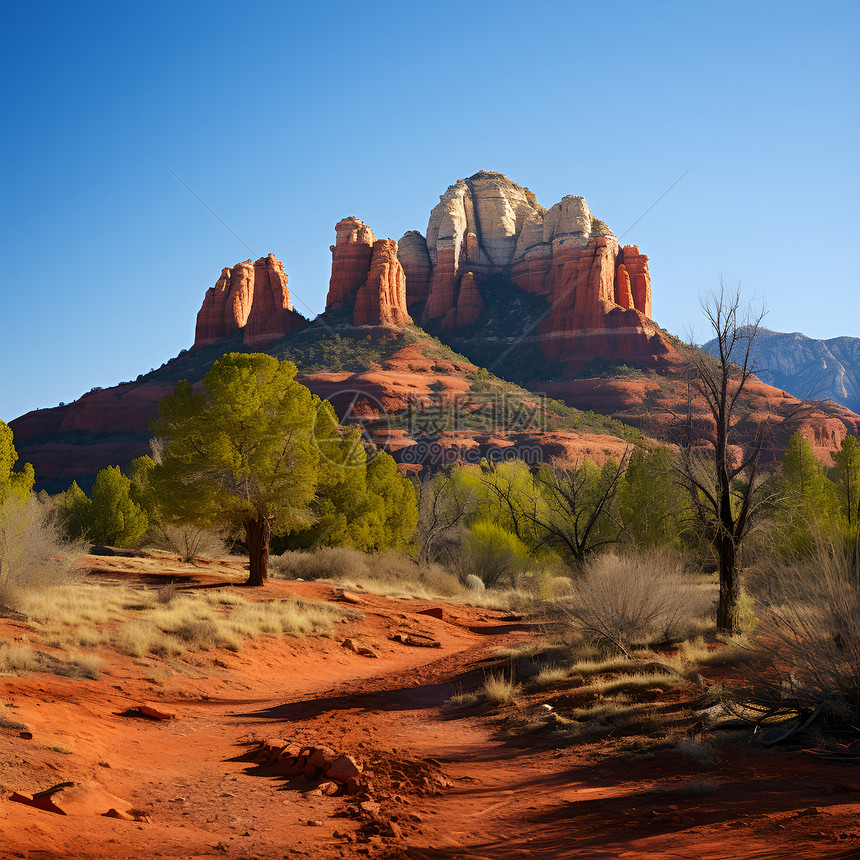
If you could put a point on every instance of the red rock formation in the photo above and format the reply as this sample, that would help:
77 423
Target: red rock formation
636 265
413 256
487 225
623 296
469 302
381 299
249 296
225 306
350 262
272 314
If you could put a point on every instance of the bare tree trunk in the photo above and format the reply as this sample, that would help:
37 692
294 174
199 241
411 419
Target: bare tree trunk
727 608
257 533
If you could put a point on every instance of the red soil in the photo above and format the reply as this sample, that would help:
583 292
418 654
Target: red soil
508 799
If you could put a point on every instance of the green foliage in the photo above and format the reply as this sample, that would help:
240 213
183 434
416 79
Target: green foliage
846 476
392 506
494 555
142 491
554 512
650 503
109 517
314 352
808 500
243 449
363 503
74 512
115 519
18 483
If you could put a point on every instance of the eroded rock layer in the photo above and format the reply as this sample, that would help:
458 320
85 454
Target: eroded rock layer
381 299
367 277
350 262
253 297
599 293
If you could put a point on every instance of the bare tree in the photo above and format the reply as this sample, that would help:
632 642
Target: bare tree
723 486
443 504
568 510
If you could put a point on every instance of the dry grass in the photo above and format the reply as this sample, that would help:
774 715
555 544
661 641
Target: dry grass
166 621
499 690
697 749
632 600
195 622
550 675
390 574
807 642
638 681
190 542
87 665
587 668
608 712
15 659
33 556
462 699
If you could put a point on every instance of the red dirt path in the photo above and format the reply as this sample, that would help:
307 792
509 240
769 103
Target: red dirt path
508 799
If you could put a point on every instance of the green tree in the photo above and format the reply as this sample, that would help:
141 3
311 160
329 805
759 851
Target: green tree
446 499
115 519
241 453
566 512
494 555
141 489
110 516
75 512
808 500
391 512
846 476
20 483
650 503
362 501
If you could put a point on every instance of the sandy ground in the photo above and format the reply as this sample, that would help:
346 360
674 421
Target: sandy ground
507 799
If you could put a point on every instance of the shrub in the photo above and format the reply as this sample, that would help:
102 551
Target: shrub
474 583
17 658
190 542
629 600
33 557
808 637
384 573
499 690
494 555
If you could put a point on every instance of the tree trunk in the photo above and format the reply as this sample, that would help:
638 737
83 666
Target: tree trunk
727 608
257 533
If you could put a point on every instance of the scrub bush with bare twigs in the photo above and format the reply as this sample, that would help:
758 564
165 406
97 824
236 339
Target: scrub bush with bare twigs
807 640
622 601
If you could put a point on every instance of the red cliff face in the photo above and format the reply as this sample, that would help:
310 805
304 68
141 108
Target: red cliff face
272 314
381 299
488 225
253 297
350 262
367 276
413 256
226 305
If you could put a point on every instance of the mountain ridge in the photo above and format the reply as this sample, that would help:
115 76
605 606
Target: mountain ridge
546 298
809 368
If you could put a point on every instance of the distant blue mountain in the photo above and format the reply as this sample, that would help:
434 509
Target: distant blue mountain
808 368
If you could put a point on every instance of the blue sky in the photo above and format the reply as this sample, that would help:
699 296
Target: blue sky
286 117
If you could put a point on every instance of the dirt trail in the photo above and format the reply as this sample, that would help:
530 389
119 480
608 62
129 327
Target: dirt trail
506 799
